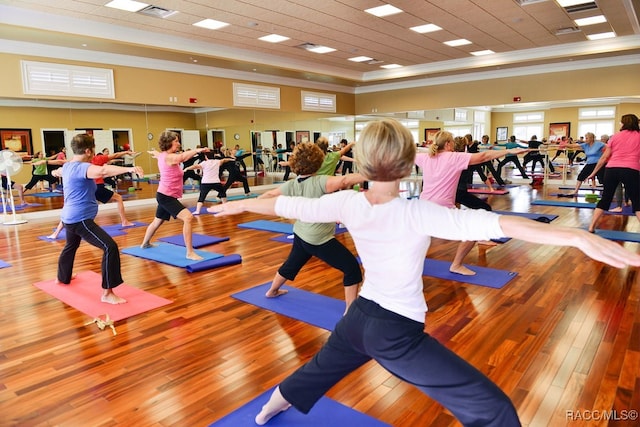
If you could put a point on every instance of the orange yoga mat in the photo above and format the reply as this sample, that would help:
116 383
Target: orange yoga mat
84 291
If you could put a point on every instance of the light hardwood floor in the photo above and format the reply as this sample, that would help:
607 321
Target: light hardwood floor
562 339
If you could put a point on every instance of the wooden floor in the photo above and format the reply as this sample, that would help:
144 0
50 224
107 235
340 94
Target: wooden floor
562 339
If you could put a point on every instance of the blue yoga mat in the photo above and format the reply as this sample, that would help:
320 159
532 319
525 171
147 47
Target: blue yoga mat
47 194
283 238
315 309
621 236
8 208
122 227
626 210
111 231
199 240
4 264
264 225
278 227
168 254
214 263
234 197
326 412
484 276
564 203
530 215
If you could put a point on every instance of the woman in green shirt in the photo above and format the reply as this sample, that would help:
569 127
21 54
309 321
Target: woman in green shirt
40 172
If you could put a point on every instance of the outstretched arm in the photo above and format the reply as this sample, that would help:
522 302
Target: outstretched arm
105 171
265 206
485 156
335 183
592 245
346 148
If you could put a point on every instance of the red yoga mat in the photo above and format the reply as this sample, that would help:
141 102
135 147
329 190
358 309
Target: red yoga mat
84 291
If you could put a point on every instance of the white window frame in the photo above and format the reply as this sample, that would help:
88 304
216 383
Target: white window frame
597 113
45 78
316 101
255 96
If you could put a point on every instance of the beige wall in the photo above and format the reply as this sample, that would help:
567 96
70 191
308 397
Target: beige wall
620 81
38 119
153 87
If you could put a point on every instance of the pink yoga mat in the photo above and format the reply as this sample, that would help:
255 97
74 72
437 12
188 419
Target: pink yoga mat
84 291
486 191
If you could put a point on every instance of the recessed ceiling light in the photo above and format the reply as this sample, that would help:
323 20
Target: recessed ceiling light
390 66
590 20
427 28
385 10
211 24
273 38
601 36
360 59
321 49
128 5
568 3
482 52
459 42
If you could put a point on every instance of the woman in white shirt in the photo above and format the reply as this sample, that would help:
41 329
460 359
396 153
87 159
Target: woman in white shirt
386 322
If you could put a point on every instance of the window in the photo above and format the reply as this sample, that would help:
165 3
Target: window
458 130
528 117
245 95
312 101
42 78
527 124
598 120
460 115
525 132
596 113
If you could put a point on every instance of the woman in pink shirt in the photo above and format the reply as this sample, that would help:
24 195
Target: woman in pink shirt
170 190
441 167
622 159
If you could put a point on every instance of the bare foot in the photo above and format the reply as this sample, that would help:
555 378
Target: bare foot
461 269
128 224
276 293
58 282
618 209
194 256
265 415
487 243
53 236
196 212
148 245
112 299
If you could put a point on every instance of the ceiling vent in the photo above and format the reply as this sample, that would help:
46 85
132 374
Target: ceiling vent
157 12
528 2
567 30
581 7
374 62
306 46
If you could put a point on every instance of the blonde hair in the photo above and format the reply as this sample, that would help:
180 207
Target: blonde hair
323 143
385 151
439 141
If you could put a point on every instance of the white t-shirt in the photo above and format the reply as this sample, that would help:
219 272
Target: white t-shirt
210 171
392 240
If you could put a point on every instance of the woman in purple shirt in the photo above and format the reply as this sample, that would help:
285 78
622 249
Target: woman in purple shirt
80 208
